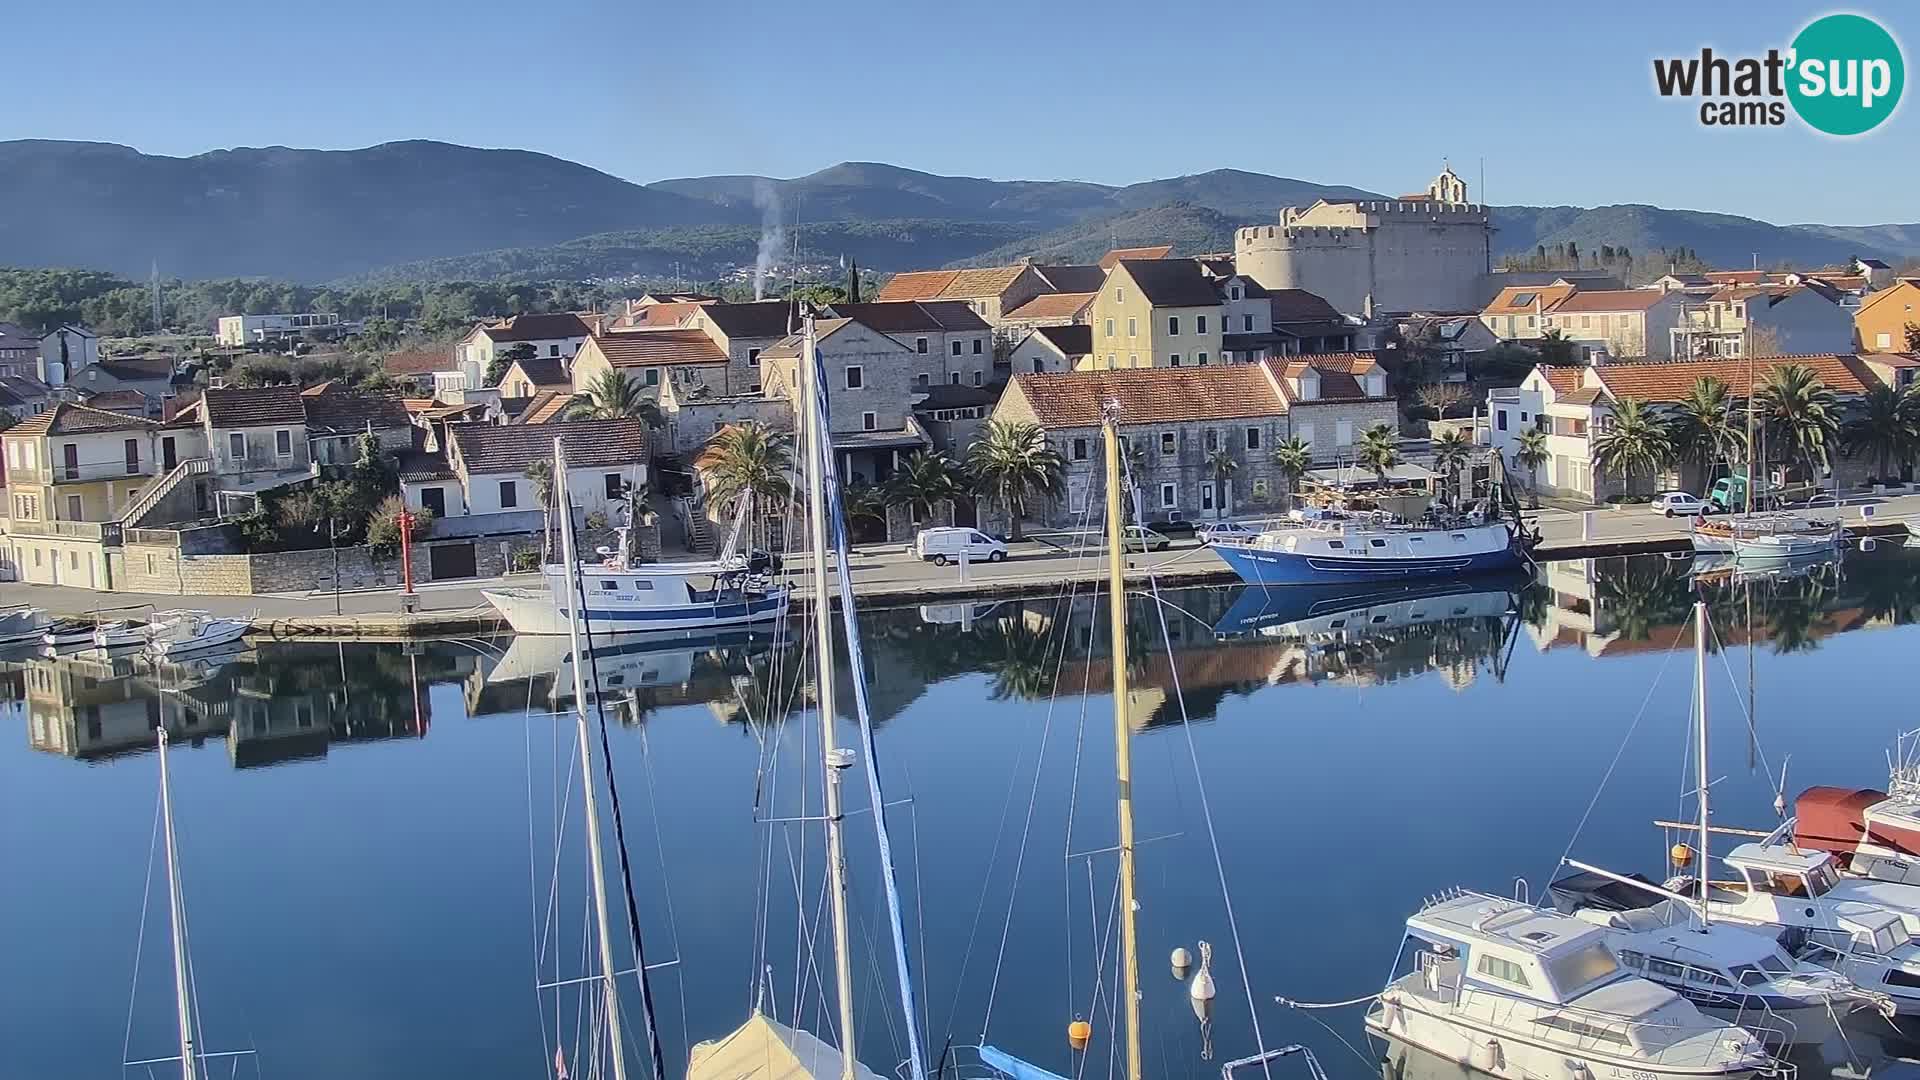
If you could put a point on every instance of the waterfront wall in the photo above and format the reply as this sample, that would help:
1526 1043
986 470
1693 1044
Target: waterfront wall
165 569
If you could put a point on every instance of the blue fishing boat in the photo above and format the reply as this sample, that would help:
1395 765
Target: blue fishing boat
1330 547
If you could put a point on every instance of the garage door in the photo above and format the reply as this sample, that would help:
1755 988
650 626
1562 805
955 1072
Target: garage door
450 561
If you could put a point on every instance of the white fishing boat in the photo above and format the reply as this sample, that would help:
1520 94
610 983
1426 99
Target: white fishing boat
1520 993
119 634
23 626
68 634
175 634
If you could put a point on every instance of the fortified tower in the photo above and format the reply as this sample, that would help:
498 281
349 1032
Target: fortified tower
1427 252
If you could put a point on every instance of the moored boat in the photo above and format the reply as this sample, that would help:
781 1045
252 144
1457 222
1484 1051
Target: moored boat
119 634
174 634
1328 548
23 626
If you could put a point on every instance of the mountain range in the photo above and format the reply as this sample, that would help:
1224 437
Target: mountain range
434 210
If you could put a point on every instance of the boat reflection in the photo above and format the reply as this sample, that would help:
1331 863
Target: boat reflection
640 672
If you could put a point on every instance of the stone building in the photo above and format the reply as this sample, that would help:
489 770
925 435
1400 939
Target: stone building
873 380
1428 252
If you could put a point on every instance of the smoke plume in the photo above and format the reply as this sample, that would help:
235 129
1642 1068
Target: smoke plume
773 236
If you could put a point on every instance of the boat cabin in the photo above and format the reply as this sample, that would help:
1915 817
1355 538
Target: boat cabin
1517 950
1784 872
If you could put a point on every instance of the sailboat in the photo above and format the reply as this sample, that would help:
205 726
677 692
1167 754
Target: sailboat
762 1048
1765 536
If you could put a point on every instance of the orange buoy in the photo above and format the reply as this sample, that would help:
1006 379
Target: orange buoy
1681 854
1078 1032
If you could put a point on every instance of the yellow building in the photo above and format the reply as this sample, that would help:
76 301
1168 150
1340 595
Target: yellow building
71 474
1880 324
1155 313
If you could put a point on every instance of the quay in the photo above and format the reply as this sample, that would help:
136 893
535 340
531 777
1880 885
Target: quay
883 576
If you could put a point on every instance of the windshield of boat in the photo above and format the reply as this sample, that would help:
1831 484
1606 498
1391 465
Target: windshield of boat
1769 967
1822 878
1582 968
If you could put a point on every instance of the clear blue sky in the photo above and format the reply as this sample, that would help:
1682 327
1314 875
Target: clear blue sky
1558 102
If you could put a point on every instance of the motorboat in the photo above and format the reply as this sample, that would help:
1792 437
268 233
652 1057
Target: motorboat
1325 547
1519 993
1737 973
23 626
68 634
176 634
624 596
119 634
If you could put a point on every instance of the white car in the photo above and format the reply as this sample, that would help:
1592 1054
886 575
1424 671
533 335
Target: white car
1677 503
1227 532
944 545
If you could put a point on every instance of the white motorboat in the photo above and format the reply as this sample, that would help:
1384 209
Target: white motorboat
119 634
1519 993
23 626
68 634
175 634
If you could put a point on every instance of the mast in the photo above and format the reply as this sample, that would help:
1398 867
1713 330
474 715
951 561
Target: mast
177 914
1122 750
1752 479
816 464
577 603
1700 721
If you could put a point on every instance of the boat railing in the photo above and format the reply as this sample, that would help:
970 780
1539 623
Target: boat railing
1590 1030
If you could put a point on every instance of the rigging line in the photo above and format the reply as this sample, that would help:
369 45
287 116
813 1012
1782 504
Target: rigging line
873 965
666 881
140 941
1615 763
1101 943
1206 814
1073 802
1746 709
919 906
550 932
533 886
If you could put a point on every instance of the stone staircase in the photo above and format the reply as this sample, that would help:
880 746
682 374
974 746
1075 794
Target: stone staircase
700 534
161 488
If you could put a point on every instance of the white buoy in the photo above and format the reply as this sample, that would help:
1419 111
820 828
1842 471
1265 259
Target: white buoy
1201 989
1181 960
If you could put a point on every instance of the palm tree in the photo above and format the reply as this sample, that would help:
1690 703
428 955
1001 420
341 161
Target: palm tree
1380 449
1221 466
1012 462
749 459
1886 426
1451 452
1529 455
1291 459
925 480
610 396
868 501
633 507
1635 442
540 475
1702 429
1801 410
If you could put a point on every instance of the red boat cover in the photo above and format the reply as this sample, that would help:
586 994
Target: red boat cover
1833 819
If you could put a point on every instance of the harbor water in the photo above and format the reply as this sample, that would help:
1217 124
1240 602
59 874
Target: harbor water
381 857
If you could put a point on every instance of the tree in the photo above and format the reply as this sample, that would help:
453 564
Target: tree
1292 459
1442 397
383 528
1012 462
1221 465
1529 454
502 360
540 475
1800 411
1451 452
1886 426
1555 349
1913 337
1703 429
1380 449
749 459
868 501
610 396
925 480
1636 442
633 513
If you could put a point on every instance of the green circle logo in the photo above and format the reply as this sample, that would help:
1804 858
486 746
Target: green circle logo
1846 75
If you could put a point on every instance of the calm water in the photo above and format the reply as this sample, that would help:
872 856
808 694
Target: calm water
367 832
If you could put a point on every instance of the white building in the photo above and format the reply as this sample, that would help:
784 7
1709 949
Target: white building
66 349
237 330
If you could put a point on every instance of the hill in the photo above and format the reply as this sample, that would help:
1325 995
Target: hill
1192 230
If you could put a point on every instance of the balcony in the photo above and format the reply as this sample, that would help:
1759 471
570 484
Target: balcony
87 472
102 532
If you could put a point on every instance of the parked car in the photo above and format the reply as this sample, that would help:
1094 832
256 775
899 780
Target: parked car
1141 538
945 544
1173 527
1680 503
1227 532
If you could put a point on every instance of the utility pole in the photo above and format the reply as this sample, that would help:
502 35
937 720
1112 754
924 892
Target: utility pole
333 543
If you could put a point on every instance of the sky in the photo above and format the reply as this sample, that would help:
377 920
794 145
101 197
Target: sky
1558 107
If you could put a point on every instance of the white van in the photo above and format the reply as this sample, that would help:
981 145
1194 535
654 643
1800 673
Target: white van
944 545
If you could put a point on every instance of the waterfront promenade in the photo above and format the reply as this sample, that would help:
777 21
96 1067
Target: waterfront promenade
885 575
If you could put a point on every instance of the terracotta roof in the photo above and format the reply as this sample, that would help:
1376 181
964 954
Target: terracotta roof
757 319
1299 305
1610 300
651 316
544 407
590 444
657 348
538 327
344 411
913 316
1171 282
418 361
1059 305
1073 278
1728 294
916 285
1339 373
1526 299
67 418
1152 395
980 284
1564 380
1586 395
417 404
1846 282
120 401
230 407
1073 340
545 372
1843 374
1347 363
1118 255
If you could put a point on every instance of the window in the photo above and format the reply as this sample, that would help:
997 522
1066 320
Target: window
1582 967
553 350
1174 360
1110 364
1079 449
236 446
1202 358
1213 440
1234 293
920 345
753 357
1039 365
1133 360
283 443
976 346
1133 328
856 376
1109 327
956 348
1167 497
613 485
1305 434
868 421
653 376
1500 420
1343 433
1336 545
979 378
953 378
1169 442
1246 324
1253 438
1529 320
1376 542
1173 325
609 585
1119 295
1523 299
1199 324
922 379
1506 971
509 495
74 511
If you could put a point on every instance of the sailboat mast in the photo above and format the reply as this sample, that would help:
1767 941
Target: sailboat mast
816 465
1122 749
570 564
1700 721
177 915
1752 478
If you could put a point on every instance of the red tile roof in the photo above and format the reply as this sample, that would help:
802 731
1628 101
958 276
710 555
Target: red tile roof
1339 373
235 407
1843 373
1114 257
980 284
1564 380
418 361
1060 305
1527 299
1152 395
538 327
658 348
916 285
1610 300
67 418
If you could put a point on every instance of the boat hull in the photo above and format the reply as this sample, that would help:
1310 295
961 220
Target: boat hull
1398 1019
531 611
219 638
1267 566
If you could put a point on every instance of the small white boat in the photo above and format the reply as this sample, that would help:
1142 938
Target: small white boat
175 634
68 634
1777 547
1520 993
118 634
624 597
1767 534
23 626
